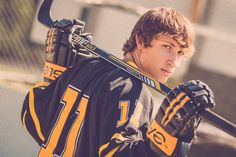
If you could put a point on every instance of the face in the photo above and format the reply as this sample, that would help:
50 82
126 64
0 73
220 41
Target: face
161 58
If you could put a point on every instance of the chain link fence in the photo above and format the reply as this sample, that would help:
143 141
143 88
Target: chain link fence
19 56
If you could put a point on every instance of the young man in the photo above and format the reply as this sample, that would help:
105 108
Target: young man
95 109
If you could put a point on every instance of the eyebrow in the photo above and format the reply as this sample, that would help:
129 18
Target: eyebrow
170 43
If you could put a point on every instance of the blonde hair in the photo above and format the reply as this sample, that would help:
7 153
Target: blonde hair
158 21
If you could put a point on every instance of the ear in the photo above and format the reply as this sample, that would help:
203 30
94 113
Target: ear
139 43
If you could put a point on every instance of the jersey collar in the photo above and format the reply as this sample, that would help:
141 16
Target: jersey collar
132 64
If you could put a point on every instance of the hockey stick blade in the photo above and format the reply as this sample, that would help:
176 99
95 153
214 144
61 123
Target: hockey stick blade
44 15
45 18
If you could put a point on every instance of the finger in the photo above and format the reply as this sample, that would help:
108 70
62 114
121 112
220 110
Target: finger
78 22
87 36
198 93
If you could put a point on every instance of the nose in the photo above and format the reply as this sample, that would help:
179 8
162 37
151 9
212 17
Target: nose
173 60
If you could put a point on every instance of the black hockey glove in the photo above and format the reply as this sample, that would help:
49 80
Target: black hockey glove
173 129
59 53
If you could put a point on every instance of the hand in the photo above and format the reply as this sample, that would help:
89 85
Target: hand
59 53
173 129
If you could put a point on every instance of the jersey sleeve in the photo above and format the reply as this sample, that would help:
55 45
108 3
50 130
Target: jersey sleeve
40 107
30 114
125 119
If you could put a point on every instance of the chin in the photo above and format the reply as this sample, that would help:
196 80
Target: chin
161 79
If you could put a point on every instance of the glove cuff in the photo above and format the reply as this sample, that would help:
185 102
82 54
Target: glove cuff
162 139
52 71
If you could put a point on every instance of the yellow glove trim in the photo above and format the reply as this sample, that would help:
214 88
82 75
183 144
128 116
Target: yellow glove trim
52 71
162 139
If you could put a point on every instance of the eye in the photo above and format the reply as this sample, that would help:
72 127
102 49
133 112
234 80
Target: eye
180 53
167 46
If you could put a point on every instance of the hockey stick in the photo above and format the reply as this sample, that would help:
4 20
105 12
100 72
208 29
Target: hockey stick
45 18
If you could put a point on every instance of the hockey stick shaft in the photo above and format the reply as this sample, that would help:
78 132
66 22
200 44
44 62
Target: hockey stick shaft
210 116
45 18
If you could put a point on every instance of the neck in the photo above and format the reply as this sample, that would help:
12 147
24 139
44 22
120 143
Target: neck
128 57
133 57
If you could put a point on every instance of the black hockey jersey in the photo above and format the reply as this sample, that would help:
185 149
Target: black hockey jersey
91 110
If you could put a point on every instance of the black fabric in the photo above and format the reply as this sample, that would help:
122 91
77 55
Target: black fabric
109 90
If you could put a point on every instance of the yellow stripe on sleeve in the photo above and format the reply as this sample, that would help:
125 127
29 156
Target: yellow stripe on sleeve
34 116
41 84
102 148
112 152
23 120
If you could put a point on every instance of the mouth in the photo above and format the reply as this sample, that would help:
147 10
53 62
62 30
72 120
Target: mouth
166 72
